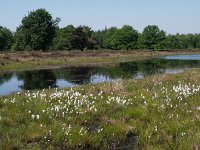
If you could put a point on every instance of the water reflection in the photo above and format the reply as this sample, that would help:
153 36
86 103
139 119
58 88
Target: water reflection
37 79
68 77
76 75
183 57
5 77
13 85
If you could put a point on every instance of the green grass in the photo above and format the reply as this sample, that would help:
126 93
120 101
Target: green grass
158 112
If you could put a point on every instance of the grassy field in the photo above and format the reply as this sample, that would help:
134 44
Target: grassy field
158 112
45 60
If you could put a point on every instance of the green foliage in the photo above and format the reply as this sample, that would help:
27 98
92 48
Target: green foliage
39 31
152 36
109 37
36 31
61 40
189 41
125 38
81 38
6 39
98 37
78 39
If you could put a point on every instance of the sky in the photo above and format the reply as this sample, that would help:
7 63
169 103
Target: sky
172 16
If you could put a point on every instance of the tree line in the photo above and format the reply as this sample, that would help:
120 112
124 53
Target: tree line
39 31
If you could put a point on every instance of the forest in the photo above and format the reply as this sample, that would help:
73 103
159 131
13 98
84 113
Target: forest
40 31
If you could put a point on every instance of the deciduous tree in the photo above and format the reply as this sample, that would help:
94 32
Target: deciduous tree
6 39
152 36
36 31
125 38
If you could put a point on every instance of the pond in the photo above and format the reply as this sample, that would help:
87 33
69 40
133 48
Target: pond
75 76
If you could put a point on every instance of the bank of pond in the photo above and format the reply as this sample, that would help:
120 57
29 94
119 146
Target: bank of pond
159 111
76 76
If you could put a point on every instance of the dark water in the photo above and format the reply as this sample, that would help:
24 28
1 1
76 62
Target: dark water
69 77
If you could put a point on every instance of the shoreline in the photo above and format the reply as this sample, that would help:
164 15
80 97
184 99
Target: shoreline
35 60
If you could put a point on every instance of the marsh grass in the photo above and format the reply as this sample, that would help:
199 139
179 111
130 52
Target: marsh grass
46 60
158 112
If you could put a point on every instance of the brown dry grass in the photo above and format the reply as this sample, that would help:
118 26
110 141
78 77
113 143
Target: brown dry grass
42 60
27 56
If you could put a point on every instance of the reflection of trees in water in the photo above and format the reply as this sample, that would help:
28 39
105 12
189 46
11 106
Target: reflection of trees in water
37 79
158 66
5 77
161 65
82 75
127 70
122 70
147 67
76 75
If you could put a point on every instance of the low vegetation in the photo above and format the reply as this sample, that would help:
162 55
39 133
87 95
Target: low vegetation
158 112
46 60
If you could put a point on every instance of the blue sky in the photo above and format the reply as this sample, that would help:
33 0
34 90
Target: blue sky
173 16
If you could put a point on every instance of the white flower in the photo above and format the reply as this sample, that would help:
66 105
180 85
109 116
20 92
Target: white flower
33 116
198 108
156 128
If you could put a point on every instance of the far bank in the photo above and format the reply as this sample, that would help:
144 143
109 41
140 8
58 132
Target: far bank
31 60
